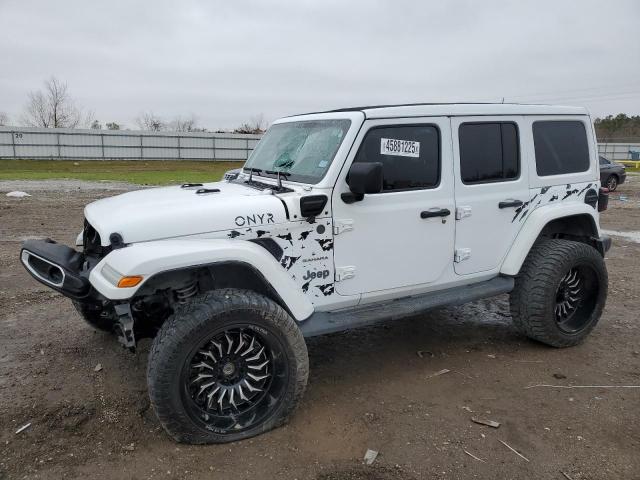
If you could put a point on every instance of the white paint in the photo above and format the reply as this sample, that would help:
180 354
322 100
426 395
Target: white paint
380 246
533 226
149 258
489 231
390 246
171 212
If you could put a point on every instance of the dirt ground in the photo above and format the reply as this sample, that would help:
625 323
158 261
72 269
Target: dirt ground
368 389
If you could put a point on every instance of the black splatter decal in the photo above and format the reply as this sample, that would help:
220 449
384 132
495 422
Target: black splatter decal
287 237
569 193
326 289
326 244
305 287
544 190
568 186
583 190
287 261
523 215
523 207
304 235
234 234
311 220
248 230
260 233
554 198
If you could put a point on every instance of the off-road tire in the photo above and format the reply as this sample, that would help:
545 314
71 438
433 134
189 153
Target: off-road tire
188 327
96 317
533 299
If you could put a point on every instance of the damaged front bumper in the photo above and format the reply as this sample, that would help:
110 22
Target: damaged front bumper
59 267
67 271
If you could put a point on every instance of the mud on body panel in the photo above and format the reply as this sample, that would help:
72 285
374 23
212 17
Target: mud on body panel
570 192
307 253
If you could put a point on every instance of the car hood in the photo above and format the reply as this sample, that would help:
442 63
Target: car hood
169 212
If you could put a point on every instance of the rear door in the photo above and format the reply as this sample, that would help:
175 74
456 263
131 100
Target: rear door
491 190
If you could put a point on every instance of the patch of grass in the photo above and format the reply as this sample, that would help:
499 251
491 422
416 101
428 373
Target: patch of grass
156 172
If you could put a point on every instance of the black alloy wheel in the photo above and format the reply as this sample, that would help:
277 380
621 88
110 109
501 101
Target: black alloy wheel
233 378
576 296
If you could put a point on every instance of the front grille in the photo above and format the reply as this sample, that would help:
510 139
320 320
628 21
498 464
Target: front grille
91 241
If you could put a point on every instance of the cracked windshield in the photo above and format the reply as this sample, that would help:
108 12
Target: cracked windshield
300 151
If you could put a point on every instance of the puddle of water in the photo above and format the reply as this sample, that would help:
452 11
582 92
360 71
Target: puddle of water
633 236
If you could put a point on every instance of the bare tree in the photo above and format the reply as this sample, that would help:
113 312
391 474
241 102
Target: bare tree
4 119
150 121
112 126
255 125
187 124
96 125
52 107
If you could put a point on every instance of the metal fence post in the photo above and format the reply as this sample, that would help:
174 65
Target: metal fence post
141 148
102 144
179 153
213 139
13 142
58 142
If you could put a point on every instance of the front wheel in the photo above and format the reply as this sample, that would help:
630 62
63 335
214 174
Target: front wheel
227 366
560 292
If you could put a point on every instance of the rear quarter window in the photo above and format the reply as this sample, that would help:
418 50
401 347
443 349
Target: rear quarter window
561 147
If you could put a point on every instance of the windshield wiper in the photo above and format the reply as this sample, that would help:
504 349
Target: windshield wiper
279 174
252 171
287 164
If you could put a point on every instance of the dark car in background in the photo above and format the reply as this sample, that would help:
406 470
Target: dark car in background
611 174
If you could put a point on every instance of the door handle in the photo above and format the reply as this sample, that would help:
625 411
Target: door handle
441 212
510 203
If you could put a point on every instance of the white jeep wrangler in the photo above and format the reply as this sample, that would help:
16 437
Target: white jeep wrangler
337 220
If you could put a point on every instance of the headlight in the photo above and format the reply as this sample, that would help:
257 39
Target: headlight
111 274
115 278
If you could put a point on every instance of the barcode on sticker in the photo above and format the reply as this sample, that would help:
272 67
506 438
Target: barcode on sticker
402 148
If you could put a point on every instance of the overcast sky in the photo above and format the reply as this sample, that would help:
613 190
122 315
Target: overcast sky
226 62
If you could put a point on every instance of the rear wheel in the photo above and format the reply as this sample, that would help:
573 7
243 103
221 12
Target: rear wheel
560 292
612 183
227 366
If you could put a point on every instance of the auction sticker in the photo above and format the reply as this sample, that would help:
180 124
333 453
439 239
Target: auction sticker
402 148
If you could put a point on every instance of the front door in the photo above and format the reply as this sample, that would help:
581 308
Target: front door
492 190
404 235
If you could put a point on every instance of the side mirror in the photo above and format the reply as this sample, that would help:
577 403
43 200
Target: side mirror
363 178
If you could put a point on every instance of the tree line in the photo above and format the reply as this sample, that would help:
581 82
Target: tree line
621 128
54 107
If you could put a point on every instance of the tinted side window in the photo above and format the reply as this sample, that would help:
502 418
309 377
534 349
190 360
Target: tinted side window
561 147
489 152
410 155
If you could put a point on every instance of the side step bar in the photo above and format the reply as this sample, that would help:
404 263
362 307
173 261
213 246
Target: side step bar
321 323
